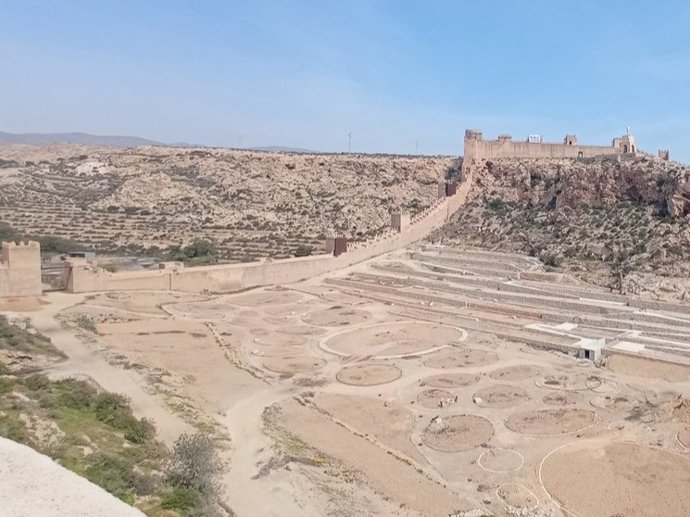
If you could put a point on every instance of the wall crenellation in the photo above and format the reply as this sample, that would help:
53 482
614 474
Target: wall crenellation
20 269
477 149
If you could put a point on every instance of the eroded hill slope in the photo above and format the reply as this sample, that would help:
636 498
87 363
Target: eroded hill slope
252 204
623 224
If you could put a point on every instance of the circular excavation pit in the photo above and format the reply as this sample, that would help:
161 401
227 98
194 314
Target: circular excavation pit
500 396
397 339
549 422
460 357
563 398
615 403
631 479
515 373
435 398
368 374
566 382
450 380
501 461
292 364
457 433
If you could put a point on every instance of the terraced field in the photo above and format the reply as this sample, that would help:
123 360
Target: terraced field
251 204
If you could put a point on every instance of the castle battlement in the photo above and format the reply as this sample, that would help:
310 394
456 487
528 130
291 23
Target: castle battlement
20 269
477 149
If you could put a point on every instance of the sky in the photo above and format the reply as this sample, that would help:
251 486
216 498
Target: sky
401 76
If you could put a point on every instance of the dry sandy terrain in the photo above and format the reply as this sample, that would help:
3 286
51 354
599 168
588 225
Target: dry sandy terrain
429 382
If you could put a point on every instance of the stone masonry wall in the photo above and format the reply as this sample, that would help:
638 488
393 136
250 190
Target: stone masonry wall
20 270
232 277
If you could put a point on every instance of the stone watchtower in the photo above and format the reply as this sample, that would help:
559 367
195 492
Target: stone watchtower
472 152
20 269
625 144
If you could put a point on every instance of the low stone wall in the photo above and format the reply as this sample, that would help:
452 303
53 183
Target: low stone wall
233 277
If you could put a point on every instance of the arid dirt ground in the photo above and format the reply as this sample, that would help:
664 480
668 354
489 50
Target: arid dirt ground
425 382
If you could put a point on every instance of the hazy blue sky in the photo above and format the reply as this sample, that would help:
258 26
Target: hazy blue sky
305 73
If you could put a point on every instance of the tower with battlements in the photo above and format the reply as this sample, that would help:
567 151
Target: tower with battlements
20 269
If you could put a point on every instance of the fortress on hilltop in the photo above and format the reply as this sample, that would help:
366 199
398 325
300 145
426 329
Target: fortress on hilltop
478 149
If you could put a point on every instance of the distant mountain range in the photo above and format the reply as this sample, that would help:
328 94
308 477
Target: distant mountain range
74 138
112 141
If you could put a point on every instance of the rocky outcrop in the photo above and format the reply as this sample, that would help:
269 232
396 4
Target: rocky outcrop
562 183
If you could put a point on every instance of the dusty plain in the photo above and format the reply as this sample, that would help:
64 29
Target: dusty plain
433 381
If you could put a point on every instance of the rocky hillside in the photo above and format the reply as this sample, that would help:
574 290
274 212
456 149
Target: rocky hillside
251 204
567 183
623 224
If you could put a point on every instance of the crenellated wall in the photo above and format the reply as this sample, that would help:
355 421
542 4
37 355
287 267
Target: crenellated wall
233 277
477 149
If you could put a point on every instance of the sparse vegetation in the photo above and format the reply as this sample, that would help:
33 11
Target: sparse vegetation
95 434
234 199
199 251
192 470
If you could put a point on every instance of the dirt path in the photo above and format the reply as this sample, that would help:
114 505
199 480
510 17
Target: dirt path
82 361
251 447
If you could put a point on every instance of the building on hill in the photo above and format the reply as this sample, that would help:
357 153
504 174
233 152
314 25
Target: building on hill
478 149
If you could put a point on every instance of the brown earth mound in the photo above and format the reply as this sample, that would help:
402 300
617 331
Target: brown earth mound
450 380
460 357
615 403
515 373
293 364
434 397
457 433
394 339
500 396
368 374
550 421
640 481
562 398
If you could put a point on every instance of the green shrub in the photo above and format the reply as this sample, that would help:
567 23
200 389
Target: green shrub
110 473
14 429
4 369
36 382
76 394
139 430
550 259
303 251
194 464
86 323
199 251
114 410
182 499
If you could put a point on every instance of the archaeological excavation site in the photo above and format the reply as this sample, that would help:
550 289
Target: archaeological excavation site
350 335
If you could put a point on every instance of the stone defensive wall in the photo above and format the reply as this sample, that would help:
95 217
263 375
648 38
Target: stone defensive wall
20 270
85 277
477 149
